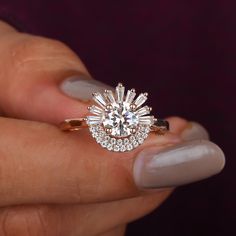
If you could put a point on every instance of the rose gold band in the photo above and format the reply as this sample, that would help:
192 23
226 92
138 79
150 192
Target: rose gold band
160 127
73 124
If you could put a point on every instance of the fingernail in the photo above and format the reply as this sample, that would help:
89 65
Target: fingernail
177 165
194 131
81 87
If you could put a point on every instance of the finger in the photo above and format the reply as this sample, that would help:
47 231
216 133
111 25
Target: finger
5 28
30 63
44 165
177 124
106 218
29 86
117 231
31 69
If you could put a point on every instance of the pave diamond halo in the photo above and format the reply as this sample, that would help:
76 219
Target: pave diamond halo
119 122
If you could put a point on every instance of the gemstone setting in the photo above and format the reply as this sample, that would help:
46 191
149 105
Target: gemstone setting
119 123
120 120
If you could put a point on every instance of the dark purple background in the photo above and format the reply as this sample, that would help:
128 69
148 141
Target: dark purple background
183 53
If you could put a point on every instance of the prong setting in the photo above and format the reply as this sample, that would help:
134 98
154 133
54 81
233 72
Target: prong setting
108 130
133 107
109 107
120 122
133 130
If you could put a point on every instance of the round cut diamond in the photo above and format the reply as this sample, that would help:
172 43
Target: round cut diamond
120 120
140 140
119 123
132 138
129 147
135 144
113 141
116 148
119 142
126 141
104 143
109 146
123 148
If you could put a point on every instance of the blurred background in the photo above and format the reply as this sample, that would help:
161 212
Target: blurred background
184 54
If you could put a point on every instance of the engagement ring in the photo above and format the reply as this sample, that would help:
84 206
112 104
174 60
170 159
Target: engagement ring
119 123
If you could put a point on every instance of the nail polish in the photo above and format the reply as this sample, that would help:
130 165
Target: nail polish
177 165
81 87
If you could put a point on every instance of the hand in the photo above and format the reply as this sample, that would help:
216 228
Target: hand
55 183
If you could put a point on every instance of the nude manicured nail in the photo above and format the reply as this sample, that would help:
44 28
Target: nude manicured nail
194 131
81 87
177 165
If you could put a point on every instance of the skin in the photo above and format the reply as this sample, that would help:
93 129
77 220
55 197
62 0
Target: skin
54 183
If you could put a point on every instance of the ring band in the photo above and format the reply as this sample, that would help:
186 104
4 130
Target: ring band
119 123
159 126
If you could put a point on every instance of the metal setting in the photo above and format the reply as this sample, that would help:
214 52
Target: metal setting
118 122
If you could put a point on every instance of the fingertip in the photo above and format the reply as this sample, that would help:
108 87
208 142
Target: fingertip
177 124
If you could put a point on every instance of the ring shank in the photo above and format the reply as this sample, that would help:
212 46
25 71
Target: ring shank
160 126
73 124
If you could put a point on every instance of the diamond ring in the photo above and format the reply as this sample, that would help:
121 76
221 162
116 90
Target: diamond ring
118 122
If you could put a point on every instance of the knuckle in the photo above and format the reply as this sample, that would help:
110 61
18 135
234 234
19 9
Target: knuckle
38 51
32 58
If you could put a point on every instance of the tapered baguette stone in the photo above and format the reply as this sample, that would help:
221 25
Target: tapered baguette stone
93 120
140 100
99 99
130 97
109 95
143 111
96 110
120 91
146 120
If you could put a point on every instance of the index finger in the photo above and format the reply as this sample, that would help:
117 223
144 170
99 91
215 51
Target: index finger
40 164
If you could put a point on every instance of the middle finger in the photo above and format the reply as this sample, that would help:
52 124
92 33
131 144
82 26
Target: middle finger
41 164
71 220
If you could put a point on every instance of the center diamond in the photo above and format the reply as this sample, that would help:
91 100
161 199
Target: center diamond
121 120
